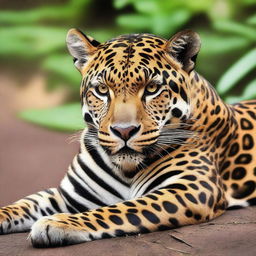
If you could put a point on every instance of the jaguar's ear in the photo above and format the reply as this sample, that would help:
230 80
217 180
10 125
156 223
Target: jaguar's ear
81 47
184 47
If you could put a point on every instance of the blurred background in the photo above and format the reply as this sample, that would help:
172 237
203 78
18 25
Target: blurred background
38 72
39 84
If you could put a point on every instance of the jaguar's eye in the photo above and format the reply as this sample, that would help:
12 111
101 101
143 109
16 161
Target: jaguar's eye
102 89
151 88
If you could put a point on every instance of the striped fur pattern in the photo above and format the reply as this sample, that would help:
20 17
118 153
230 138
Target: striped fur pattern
160 150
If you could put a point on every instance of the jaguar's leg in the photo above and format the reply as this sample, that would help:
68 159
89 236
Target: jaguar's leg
22 214
159 210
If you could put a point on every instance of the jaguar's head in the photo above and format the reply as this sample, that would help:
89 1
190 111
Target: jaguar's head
135 92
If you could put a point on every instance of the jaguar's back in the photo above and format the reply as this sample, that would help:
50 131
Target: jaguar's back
238 171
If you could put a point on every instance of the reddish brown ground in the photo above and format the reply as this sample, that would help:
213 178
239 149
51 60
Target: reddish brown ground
33 158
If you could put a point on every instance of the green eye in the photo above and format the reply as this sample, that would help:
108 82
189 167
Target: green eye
102 89
151 88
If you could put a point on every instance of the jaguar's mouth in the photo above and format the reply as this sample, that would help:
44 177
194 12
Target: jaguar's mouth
126 151
127 160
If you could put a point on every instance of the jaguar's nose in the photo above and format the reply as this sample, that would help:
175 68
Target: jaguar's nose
125 132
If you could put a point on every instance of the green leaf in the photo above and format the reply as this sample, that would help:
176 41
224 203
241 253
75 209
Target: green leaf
252 20
63 12
250 90
236 72
34 15
63 118
249 93
215 44
31 41
233 99
235 28
147 6
119 4
166 24
134 21
63 66
248 2
161 24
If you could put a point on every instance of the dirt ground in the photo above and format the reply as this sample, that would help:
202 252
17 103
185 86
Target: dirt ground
32 158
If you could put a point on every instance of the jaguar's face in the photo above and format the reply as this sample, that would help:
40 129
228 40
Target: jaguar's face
134 94
130 115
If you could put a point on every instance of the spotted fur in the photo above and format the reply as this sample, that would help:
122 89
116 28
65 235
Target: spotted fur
161 149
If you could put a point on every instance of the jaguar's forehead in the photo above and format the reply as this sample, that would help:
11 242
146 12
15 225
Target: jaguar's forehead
129 49
129 60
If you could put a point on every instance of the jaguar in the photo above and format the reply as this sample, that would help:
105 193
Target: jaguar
160 149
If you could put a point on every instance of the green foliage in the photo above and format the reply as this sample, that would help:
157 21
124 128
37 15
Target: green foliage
31 42
235 28
159 17
61 65
248 93
243 66
227 29
68 12
213 44
64 118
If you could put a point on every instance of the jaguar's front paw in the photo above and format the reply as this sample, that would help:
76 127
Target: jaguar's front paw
5 223
13 220
52 232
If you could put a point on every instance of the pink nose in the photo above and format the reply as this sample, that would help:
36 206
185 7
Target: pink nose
125 133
